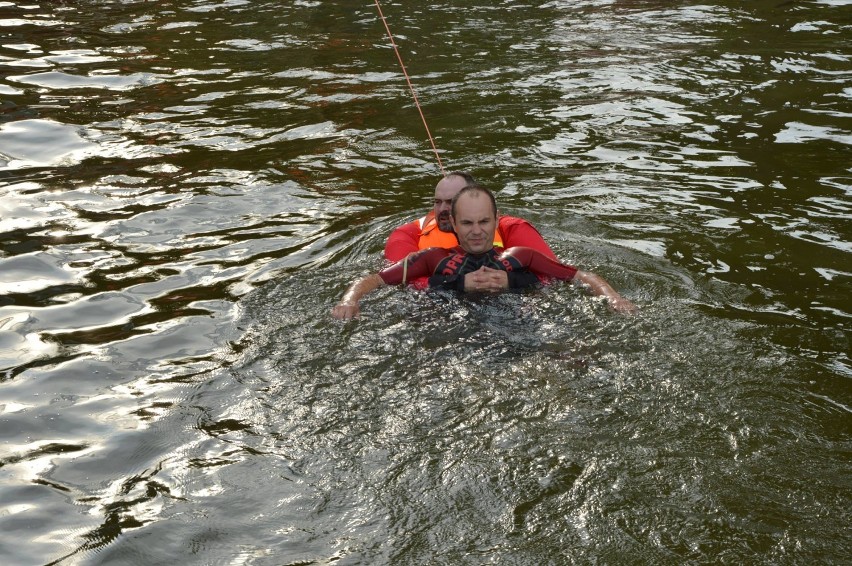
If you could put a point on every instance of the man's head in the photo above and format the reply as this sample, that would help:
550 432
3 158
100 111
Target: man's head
474 218
445 190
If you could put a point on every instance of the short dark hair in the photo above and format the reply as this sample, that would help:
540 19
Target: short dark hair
470 189
468 178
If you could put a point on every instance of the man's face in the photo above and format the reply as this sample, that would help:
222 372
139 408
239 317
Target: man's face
445 190
475 222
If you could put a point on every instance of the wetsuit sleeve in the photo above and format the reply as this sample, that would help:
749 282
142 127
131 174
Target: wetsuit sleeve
518 232
414 266
540 264
403 241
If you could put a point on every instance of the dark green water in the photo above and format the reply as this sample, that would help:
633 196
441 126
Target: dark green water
187 187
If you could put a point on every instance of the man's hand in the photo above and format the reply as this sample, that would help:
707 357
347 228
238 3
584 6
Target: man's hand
622 305
348 305
345 311
603 289
486 279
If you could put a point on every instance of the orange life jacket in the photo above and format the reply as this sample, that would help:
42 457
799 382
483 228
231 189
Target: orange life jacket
433 237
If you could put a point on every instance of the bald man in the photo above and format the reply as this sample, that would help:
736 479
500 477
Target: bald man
473 217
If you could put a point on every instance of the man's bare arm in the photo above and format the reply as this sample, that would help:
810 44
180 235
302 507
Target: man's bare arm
348 307
600 287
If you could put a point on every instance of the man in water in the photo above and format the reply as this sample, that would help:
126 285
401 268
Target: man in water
473 215
435 230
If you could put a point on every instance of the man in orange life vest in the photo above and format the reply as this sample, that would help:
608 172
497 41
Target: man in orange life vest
435 230
473 215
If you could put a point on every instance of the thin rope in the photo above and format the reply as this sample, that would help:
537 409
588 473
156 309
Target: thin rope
405 270
410 87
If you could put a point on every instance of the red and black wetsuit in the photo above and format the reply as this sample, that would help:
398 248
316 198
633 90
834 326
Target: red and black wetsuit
512 231
446 268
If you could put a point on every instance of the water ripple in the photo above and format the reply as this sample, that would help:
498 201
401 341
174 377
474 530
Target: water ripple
186 189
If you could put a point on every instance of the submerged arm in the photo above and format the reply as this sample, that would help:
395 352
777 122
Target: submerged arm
348 306
541 265
600 287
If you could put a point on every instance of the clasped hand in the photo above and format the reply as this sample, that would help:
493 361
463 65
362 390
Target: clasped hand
486 279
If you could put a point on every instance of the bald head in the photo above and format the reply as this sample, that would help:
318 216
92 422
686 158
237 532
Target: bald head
474 218
446 189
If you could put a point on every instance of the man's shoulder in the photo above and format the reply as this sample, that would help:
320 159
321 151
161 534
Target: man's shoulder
418 222
445 251
436 252
511 220
404 239
411 225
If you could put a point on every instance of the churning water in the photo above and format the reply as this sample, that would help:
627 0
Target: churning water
187 187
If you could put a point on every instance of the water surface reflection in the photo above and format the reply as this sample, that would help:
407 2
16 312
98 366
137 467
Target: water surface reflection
186 187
